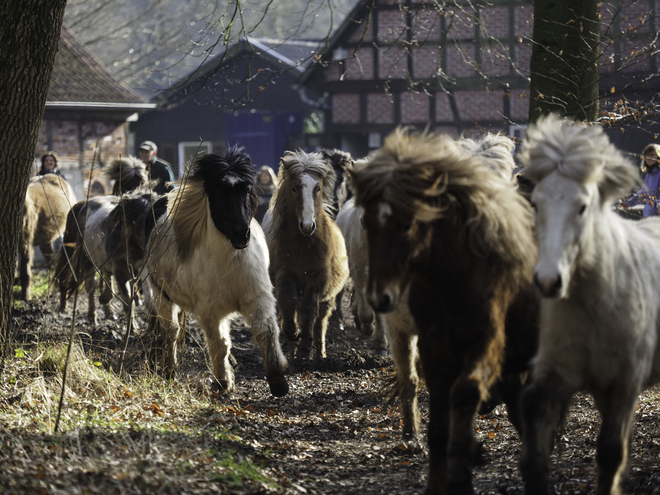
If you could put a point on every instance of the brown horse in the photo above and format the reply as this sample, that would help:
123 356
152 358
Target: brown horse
309 265
47 202
459 238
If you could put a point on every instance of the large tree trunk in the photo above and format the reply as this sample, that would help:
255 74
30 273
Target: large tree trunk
29 38
564 64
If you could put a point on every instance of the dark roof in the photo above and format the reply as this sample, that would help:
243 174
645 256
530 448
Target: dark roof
286 55
80 80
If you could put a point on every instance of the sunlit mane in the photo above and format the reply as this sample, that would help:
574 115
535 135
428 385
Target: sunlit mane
293 165
579 152
427 177
495 150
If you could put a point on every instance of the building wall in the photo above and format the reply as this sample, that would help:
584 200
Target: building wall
456 70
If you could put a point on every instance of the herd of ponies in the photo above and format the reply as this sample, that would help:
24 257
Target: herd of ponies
481 293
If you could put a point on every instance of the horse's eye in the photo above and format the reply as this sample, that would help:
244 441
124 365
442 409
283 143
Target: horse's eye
293 189
582 208
317 189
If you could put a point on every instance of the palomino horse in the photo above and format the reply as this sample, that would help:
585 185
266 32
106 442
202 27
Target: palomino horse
443 226
309 265
600 314
208 256
47 202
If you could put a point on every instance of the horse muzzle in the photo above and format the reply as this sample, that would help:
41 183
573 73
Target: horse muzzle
241 240
550 285
384 301
307 228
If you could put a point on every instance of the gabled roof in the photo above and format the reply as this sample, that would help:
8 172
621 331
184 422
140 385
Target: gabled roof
286 55
356 16
80 81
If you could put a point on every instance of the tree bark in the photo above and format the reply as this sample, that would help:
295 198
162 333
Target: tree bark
29 39
565 65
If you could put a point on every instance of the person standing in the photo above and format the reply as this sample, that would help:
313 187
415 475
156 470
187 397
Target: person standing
48 164
266 185
648 194
157 169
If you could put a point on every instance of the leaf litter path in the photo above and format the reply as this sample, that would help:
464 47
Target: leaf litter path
332 434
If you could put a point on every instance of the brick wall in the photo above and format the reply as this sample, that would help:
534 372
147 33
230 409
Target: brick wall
362 31
346 109
426 25
426 61
449 131
523 21
495 21
443 111
523 56
391 25
460 24
380 109
333 71
361 66
479 105
495 59
392 63
460 60
519 104
415 108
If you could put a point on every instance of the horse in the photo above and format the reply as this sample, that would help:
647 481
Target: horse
349 221
600 312
208 256
108 234
309 265
339 161
458 239
47 202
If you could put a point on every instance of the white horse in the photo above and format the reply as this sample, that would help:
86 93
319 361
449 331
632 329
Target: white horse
208 255
600 313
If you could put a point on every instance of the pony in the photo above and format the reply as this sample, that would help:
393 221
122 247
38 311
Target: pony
600 312
398 324
339 161
208 256
108 234
349 221
456 239
309 265
47 202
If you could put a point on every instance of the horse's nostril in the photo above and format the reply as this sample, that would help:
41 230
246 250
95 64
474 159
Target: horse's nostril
556 287
385 301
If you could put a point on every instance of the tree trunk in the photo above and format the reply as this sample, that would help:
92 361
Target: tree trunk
565 64
29 39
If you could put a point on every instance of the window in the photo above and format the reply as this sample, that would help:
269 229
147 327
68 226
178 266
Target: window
188 150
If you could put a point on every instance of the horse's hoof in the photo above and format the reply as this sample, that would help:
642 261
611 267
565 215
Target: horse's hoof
381 351
279 387
220 389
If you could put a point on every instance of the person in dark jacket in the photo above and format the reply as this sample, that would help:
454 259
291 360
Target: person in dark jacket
157 169
49 164
266 185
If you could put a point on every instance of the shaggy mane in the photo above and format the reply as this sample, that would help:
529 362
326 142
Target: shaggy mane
496 151
128 173
188 204
428 177
578 152
293 165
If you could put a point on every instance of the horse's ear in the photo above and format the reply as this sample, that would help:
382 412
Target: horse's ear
617 178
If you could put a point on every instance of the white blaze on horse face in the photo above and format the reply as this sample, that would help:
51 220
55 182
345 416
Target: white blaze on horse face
560 212
384 213
308 215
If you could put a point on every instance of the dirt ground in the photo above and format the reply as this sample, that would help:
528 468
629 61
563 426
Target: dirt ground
332 434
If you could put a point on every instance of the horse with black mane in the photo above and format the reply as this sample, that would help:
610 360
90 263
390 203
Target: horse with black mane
208 256
108 235
309 265
458 237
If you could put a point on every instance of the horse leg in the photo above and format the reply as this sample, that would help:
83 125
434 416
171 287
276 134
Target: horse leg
320 328
90 287
164 324
404 353
219 344
616 406
49 254
27 253
438 432
543 404
335 323
286 296
308 313
266 334
509 389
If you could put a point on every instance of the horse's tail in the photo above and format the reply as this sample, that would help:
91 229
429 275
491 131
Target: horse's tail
64 280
